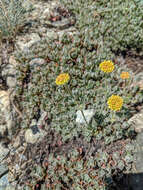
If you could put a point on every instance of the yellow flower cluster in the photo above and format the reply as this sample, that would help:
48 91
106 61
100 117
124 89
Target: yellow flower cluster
115 102
125 75
107 66
62 79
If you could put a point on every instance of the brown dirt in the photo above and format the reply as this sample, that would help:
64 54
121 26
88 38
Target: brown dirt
134 61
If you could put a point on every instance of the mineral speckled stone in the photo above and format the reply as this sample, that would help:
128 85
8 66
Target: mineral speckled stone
9 72
27 41
140 139
4 100
10 187
88 116
5 113
3 152
34 129
137 122
3 169
4 182
34 134
36 62
139 162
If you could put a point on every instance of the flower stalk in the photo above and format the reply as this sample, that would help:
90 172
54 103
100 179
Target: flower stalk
62 79
68 90
106 67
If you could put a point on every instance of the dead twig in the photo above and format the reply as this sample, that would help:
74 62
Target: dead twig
11 101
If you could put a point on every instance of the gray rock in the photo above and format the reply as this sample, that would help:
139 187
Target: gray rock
16 143
33 122
2 129
42 31
27 4
135 179
52 34
9 72
49 9
88 116
139 162
34 134
3 169
3 152
62 24
137 122
4 182
4 101
6 118
46 14
27 41
71 31
139 139
10 187
55 33
0 60
36 62
41 119
11 81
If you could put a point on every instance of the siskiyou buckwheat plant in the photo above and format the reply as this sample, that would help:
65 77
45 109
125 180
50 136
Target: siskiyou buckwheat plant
74 171
90 88
109 25
12 17
80 72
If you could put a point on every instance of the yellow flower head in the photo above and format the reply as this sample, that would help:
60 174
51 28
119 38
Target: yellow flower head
62 78
115 102
125 75
107 66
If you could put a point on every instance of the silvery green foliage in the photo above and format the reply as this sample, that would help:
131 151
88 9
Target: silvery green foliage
36 90
72 170
11 17
90 87
109 25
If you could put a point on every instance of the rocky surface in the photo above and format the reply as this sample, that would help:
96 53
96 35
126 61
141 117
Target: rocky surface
34 133
6 120
137 122
47 19
85 117
9 73
4 183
